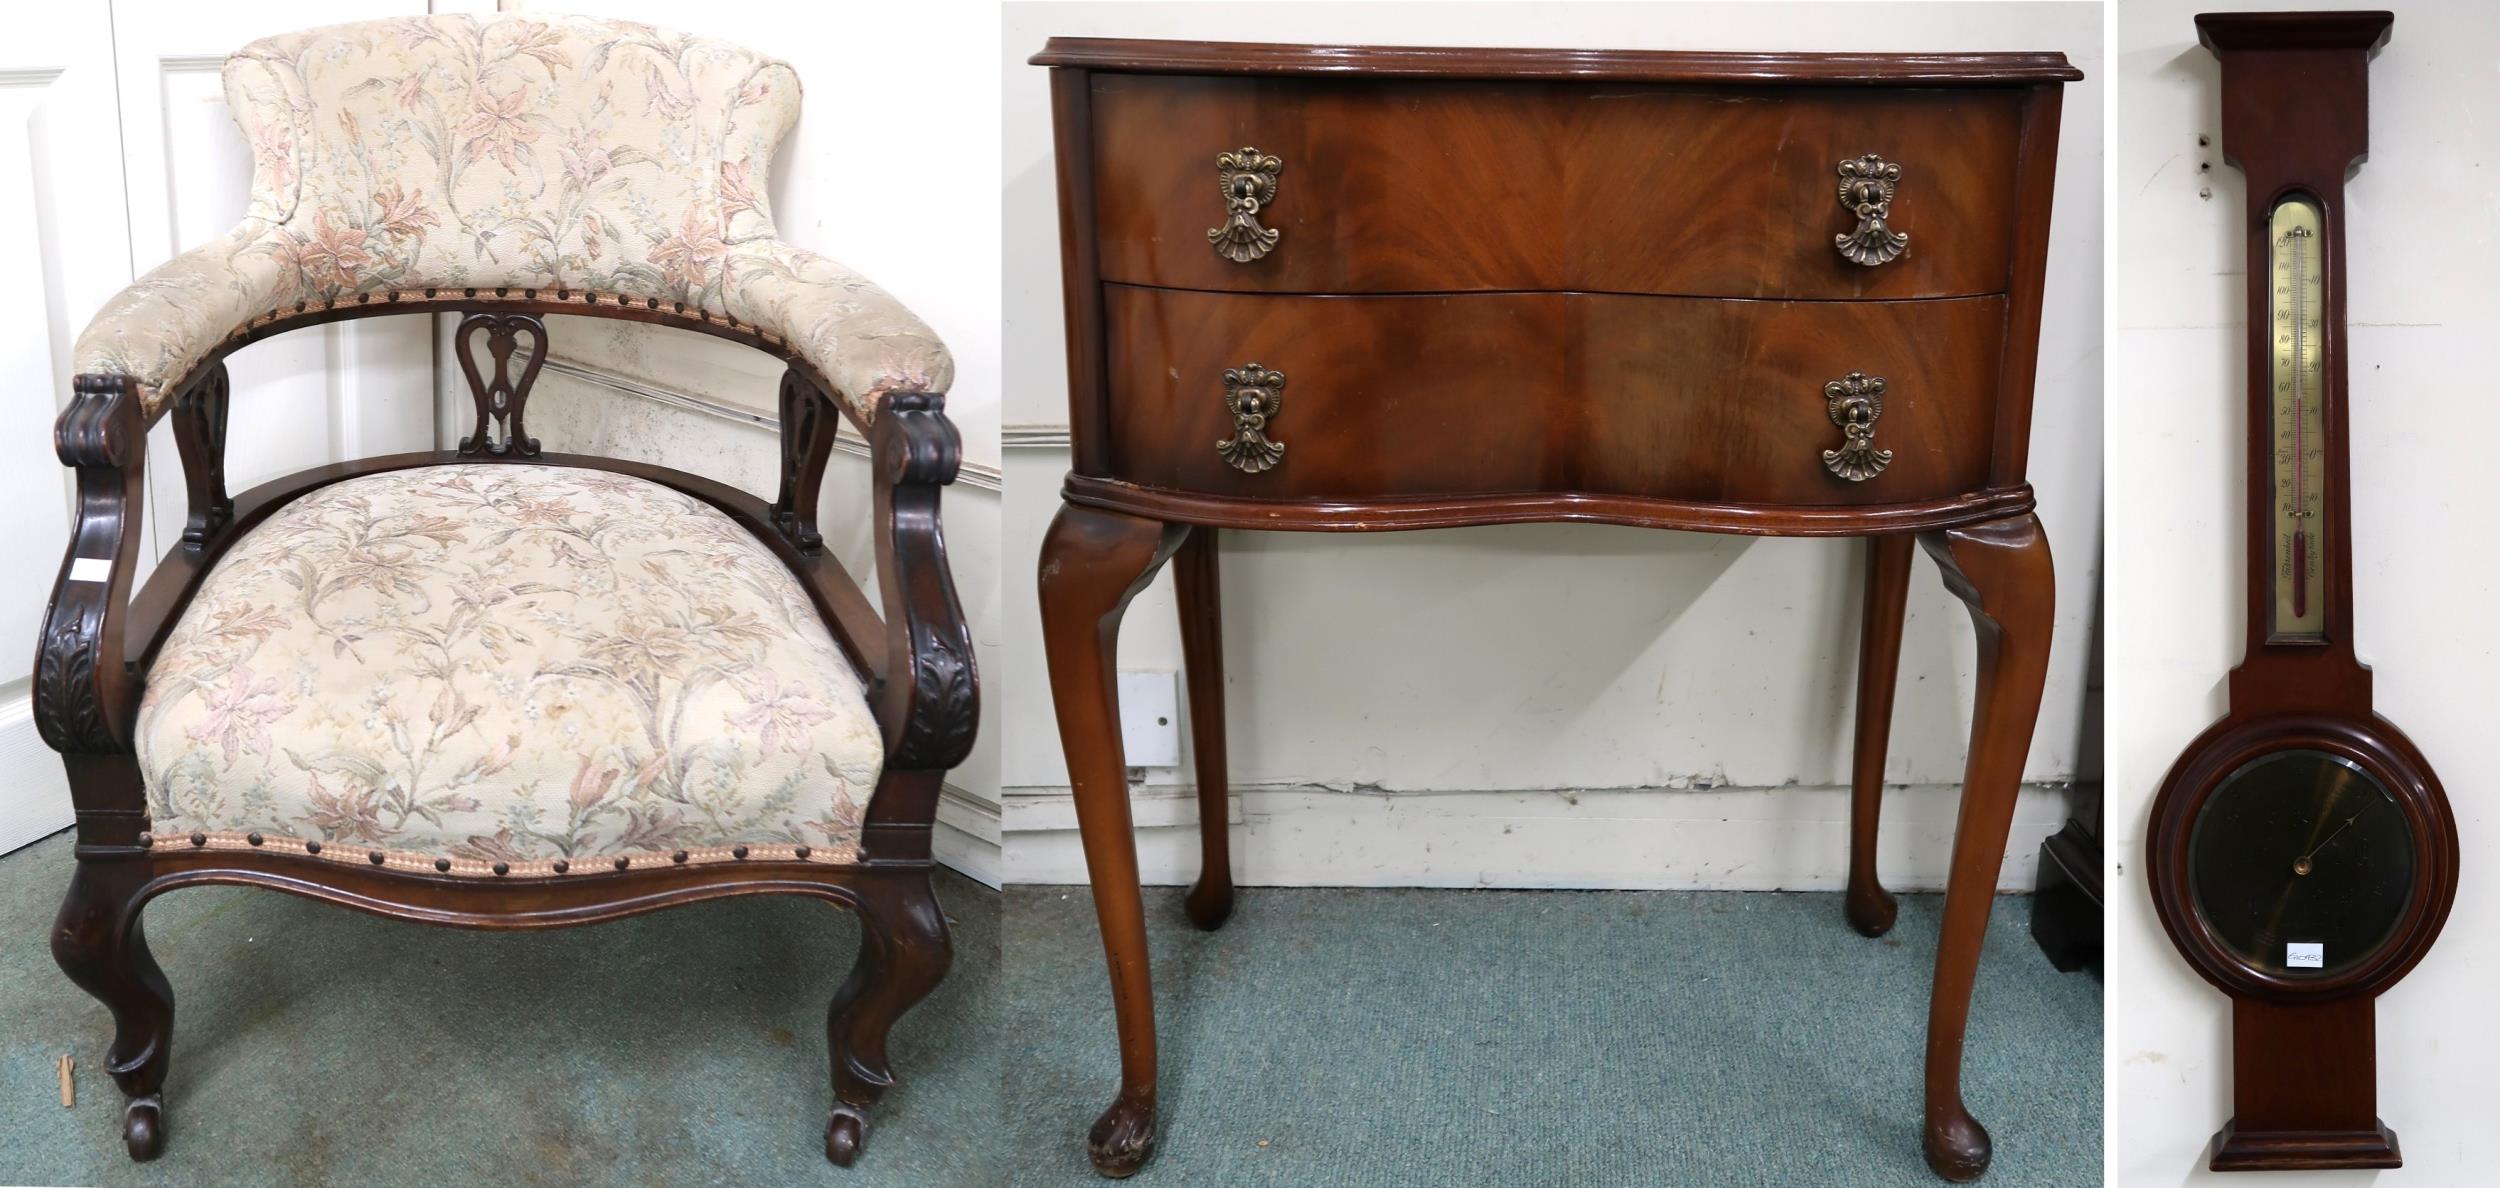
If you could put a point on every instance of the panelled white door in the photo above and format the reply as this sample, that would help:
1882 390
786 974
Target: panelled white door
64 249
117 152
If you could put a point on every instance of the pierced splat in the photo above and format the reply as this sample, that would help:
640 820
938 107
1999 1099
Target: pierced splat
502 400
807 429
200 437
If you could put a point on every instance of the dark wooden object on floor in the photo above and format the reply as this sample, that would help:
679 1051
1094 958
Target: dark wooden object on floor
99 639
2295 120
1353 289
2066 899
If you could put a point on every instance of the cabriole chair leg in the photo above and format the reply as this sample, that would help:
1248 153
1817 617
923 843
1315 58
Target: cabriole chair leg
904 950
100 944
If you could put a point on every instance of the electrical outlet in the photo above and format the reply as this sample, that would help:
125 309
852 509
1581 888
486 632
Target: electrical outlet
1150 719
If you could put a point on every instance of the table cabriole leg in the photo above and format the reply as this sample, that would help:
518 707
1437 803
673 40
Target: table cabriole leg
1869 907
2002 571
1210 900
1092 563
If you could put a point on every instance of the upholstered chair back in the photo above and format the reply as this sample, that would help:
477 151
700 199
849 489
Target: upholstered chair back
561 154
542 152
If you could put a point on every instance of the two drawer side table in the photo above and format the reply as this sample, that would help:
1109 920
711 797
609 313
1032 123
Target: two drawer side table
1356 289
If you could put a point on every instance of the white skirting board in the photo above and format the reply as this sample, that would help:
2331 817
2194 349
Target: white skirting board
1720 839
967 835
34 790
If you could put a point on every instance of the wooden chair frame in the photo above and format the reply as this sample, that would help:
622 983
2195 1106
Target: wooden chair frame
100 638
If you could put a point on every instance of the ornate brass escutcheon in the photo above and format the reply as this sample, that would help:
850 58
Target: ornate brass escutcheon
1855 400
1254 394
1866 189
1249 180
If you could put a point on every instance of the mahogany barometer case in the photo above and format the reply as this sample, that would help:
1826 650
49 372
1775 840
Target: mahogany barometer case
2301 854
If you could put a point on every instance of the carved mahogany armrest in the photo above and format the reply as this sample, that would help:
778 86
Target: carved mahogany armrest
85 694
928 699
925 692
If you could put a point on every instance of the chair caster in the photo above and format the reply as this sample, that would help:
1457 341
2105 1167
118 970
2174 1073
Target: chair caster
143 1126
1123 1139
846 1131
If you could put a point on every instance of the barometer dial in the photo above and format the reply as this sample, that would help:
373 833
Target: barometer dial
2298 373
2301 864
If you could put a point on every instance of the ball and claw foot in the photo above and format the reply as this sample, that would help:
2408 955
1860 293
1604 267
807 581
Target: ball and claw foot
1122 1139
1958 1148
1209 904
846 1131
1870 910
143 1126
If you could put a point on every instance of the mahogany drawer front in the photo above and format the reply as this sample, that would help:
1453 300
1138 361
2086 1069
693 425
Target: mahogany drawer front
1394 185
1708 401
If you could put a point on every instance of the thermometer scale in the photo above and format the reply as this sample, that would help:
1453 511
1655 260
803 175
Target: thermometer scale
2298 396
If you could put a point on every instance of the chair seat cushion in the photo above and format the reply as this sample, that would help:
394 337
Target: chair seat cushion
515 664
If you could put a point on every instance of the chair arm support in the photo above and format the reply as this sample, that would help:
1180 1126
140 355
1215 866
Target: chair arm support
85 695
929 701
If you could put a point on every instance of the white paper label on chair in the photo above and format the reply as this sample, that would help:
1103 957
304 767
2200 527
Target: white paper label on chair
2304 955
91 569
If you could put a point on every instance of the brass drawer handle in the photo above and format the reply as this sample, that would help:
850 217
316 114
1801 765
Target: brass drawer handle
1249 180
1866 189
1855 400
1254 395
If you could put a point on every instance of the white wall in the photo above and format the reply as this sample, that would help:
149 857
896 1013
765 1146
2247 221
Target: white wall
2420 241
1488 680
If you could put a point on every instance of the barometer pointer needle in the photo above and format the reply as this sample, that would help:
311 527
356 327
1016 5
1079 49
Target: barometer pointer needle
2303 864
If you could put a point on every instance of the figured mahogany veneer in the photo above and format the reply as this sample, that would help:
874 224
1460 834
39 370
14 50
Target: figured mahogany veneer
1442 186
1668 398
1521 285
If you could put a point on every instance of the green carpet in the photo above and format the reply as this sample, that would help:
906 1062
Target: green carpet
319 1046
1343 1039
1525 1038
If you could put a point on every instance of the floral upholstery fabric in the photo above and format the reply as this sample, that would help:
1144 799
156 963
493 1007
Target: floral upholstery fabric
487 663
524 152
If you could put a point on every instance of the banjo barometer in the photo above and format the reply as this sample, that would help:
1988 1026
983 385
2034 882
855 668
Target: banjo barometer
2301 855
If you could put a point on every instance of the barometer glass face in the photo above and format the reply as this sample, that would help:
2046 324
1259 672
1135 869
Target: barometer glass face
2297 367
2301 864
